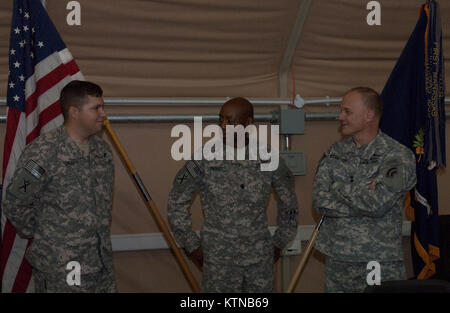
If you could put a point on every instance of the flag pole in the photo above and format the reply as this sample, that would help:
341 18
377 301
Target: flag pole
304 258
152 207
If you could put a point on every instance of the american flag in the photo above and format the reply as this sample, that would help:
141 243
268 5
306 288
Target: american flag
40 65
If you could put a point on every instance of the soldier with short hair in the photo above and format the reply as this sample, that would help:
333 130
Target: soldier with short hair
238 250
359 188
60 197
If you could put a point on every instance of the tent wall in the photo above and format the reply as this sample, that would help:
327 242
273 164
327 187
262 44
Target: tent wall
149 146
202 48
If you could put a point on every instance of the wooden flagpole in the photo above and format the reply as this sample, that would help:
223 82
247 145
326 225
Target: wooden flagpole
152 207
304 258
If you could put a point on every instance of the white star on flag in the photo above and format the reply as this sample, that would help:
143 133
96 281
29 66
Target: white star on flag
43 70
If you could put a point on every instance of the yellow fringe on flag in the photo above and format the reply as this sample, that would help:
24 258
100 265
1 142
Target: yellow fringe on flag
428 257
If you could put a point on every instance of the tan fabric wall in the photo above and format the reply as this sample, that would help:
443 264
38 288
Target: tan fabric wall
338 50
201 48
149 148
178 48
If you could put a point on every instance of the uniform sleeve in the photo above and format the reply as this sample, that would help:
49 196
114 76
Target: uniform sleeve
22 198
111 172
186 183
325 202
283 184
397 175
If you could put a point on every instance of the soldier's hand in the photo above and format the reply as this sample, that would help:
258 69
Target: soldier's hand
197 257
276 254
372 184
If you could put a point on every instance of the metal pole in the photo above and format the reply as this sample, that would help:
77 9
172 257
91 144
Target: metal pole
294 38
203 102
211 118
181 118
287 146
167 118
210 102
193 102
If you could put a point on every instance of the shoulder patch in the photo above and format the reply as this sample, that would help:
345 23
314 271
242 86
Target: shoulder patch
393 174
188 174
193 168
34 169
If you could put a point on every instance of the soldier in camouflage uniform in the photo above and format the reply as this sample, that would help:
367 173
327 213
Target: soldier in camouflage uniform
239 251
359 188
60 197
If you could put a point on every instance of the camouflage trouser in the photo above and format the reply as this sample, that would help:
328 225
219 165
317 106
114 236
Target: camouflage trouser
100 282
351 277
222 278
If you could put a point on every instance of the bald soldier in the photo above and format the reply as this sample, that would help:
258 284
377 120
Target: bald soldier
359 188
235 249
60 198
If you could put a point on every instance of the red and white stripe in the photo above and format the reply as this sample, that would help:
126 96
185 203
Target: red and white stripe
42 114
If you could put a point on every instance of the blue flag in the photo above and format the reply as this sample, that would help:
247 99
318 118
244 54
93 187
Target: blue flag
414 114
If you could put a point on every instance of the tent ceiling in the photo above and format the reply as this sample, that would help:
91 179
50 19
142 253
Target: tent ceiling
204 48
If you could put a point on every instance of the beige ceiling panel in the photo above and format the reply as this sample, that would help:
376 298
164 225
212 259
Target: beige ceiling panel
339 50
190 48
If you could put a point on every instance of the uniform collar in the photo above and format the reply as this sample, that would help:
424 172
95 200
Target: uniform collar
235 150
69 150
376 146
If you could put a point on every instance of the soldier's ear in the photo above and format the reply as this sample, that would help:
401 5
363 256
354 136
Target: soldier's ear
371 115
73 112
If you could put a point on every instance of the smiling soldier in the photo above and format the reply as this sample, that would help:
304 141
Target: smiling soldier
359 188
60 197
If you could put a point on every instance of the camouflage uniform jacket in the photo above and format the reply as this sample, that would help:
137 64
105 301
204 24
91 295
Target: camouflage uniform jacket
362 224
62 201
234 197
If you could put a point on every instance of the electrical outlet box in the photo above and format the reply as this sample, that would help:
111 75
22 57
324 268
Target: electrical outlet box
295 161
292 121
295 248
